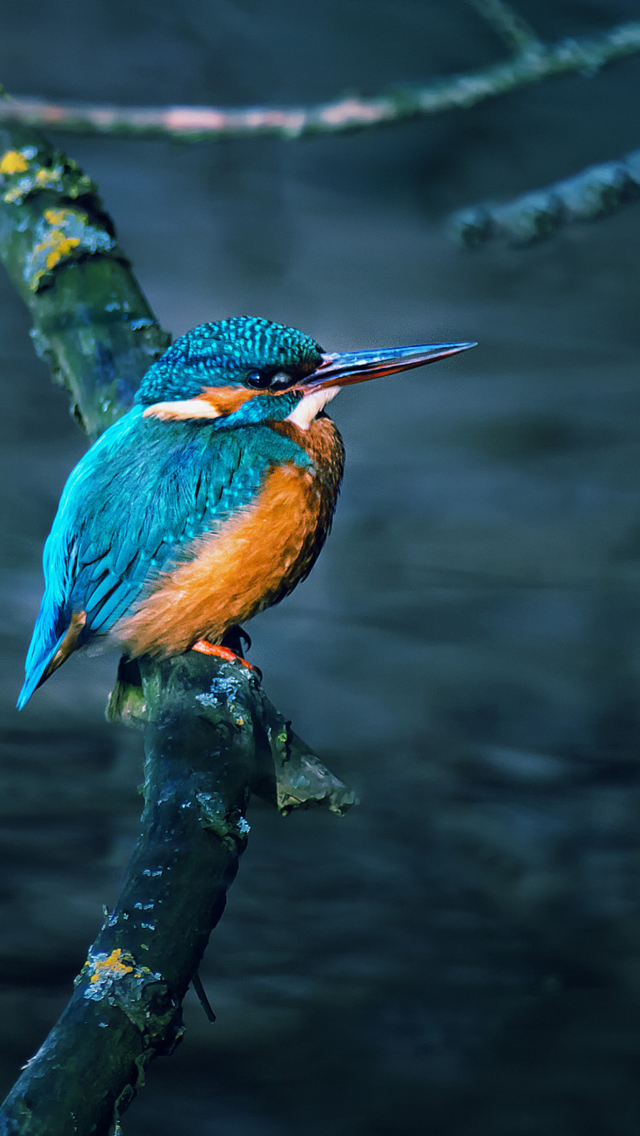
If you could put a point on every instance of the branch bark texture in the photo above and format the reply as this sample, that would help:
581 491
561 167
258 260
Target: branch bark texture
91 321
593 193
211 738
211 735
456 92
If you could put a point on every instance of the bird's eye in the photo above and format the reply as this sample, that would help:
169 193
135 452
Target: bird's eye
259 379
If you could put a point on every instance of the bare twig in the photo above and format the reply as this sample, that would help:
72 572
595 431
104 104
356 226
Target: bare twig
349 114
515 32
589 195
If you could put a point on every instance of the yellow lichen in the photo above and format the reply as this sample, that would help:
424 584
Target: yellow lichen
58 216
12 195
61 246
46 177
110 967
61 235
13 162
57 244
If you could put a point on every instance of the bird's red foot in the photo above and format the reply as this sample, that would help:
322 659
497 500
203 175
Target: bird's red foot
207 648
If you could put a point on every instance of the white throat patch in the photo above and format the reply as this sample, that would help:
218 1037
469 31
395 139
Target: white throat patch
310 406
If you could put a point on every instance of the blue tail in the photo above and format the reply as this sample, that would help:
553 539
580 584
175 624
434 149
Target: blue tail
48 633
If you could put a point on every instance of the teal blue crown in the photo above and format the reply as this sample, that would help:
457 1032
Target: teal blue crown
226 353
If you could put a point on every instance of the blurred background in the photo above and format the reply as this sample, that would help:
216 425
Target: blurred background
459 956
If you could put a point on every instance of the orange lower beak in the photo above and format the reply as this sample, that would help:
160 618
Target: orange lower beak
347 367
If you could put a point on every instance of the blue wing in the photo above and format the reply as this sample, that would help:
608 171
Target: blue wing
133 506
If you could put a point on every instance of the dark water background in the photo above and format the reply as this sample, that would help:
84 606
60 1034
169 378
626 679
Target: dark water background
461 955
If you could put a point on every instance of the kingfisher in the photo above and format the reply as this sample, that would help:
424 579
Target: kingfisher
208 501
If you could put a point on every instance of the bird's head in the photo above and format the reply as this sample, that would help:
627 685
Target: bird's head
248 370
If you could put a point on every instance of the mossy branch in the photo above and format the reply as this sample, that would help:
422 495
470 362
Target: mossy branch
211 735
536 62
211 738
91 321
593 193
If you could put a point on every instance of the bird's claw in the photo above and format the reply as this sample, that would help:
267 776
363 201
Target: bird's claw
207 648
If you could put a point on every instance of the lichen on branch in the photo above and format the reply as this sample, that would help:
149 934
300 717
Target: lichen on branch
91 321
211 736
353 113
593 193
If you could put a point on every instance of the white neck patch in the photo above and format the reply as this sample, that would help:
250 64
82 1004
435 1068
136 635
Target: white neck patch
310 406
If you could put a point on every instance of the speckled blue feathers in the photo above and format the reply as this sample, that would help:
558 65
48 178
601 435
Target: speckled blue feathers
142 500
131 509
222 353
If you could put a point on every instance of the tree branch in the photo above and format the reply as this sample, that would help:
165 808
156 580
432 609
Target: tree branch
515 32
92 323
594 193
457 92
211 735
211 738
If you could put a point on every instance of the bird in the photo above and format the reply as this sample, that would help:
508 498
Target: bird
208 501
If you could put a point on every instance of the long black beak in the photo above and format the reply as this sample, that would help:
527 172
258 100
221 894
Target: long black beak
346 367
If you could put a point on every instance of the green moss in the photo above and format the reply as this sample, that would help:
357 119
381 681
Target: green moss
92 323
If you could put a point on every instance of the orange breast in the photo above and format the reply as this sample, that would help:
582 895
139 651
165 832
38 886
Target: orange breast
254 560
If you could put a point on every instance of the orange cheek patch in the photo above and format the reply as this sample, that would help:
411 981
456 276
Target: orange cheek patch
214 402
226 400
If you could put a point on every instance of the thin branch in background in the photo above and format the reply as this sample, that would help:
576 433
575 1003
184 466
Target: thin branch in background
456 92
595 192
516 33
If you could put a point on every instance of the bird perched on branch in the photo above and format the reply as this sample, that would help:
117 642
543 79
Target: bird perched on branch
208 501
